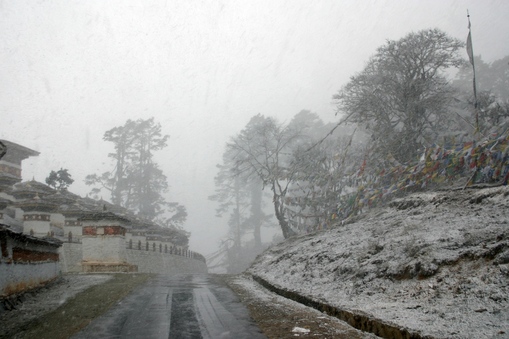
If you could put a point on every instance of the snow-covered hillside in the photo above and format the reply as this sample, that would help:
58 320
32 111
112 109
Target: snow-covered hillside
435 264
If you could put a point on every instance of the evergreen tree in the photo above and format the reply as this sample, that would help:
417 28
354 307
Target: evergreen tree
233 197
60 179
136 181
492 83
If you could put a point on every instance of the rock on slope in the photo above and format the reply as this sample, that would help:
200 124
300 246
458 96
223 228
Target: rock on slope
432 264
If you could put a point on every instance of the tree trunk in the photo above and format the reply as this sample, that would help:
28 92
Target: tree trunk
283 223
237 214
256 212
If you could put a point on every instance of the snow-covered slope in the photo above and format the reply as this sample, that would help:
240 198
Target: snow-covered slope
434 263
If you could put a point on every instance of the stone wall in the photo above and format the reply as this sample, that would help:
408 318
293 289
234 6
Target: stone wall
164 263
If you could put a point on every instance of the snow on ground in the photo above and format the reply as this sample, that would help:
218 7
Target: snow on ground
433 263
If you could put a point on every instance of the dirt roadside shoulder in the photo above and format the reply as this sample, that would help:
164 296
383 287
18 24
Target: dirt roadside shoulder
279 317
67 306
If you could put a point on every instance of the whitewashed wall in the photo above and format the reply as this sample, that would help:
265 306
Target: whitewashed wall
104 248
71 256
164 263
26 262
39 227
24 276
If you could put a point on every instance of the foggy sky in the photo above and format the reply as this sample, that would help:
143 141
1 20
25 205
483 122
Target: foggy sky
70 70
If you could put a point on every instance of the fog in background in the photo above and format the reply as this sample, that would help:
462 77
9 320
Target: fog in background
70 70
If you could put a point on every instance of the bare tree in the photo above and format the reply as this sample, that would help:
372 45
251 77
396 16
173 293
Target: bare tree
264 149
402 95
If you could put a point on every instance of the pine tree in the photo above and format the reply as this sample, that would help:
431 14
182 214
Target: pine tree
136 181
60 179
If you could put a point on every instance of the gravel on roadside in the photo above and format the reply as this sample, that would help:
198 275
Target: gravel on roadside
279 317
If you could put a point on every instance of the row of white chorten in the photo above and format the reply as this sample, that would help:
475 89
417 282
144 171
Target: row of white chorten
38 210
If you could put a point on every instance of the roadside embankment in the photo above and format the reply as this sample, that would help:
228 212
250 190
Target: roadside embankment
430 265
358 320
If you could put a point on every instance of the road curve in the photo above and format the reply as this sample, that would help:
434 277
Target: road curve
183 306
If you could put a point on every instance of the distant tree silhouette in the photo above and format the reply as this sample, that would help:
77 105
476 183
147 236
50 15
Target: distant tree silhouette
136 181
60 179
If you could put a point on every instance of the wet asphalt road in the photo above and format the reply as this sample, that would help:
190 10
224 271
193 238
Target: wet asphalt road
185 306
